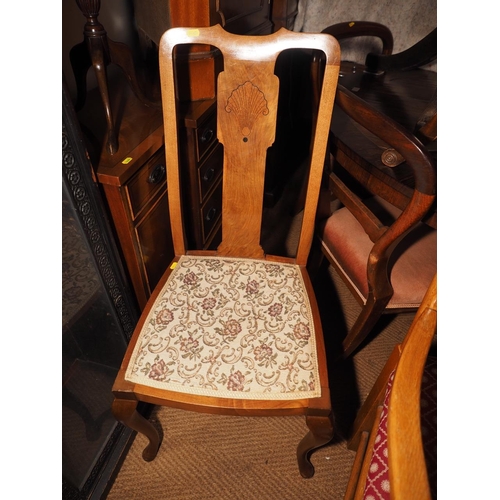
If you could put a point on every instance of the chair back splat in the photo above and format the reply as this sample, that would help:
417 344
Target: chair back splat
234 330
247 101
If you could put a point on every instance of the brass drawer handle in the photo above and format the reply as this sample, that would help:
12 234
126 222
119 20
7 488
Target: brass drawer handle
207 135
210 215
157 174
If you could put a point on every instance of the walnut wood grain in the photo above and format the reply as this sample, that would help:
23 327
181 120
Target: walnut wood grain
407 467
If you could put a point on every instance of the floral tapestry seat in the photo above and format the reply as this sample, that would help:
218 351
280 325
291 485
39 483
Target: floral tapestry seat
227 327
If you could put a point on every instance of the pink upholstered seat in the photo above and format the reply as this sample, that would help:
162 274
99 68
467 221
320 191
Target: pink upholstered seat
414 262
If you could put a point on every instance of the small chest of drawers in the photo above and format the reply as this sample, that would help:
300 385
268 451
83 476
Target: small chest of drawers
137 197
133 181
201 164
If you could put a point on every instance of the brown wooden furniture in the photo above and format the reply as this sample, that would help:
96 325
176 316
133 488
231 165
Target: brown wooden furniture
395 402
375 238
98 51
398 85
283 13
202 173
234 330
385 181
133 181
133 176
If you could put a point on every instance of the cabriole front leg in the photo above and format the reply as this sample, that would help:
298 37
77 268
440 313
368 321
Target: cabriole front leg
125 411
320 433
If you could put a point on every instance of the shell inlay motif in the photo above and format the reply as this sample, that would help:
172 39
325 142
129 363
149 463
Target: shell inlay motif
247 102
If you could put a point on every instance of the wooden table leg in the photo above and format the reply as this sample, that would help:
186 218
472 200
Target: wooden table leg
98 51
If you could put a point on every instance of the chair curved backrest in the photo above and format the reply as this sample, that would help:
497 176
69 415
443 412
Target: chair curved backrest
234 330
376 240
247 107
422 53
395 458
379 62
352 29
408 471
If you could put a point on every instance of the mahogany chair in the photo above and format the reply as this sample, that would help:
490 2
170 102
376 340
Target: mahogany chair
395 432
235 331
382 236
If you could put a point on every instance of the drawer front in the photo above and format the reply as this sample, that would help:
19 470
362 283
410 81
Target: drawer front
211 212
154 238
209 172
147 182
206 135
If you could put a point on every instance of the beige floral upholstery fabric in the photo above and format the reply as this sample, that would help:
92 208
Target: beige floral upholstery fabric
225 327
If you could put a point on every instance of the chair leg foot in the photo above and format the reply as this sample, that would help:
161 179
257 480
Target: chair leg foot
125 411
366 321
320 433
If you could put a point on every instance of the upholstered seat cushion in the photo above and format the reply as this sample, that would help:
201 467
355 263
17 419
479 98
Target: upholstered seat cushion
377 483
414 260
224 327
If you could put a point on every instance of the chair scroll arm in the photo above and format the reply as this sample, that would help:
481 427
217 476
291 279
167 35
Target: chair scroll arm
354 29
423 52
387 129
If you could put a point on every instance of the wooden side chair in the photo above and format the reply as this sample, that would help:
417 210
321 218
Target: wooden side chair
235 331
376 238
395 432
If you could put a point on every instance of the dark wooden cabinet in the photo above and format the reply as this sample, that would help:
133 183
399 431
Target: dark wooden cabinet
202 173
133 181
139 207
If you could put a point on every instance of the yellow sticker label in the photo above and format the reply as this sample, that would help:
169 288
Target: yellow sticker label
127 160
351 24
193 32
173 265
